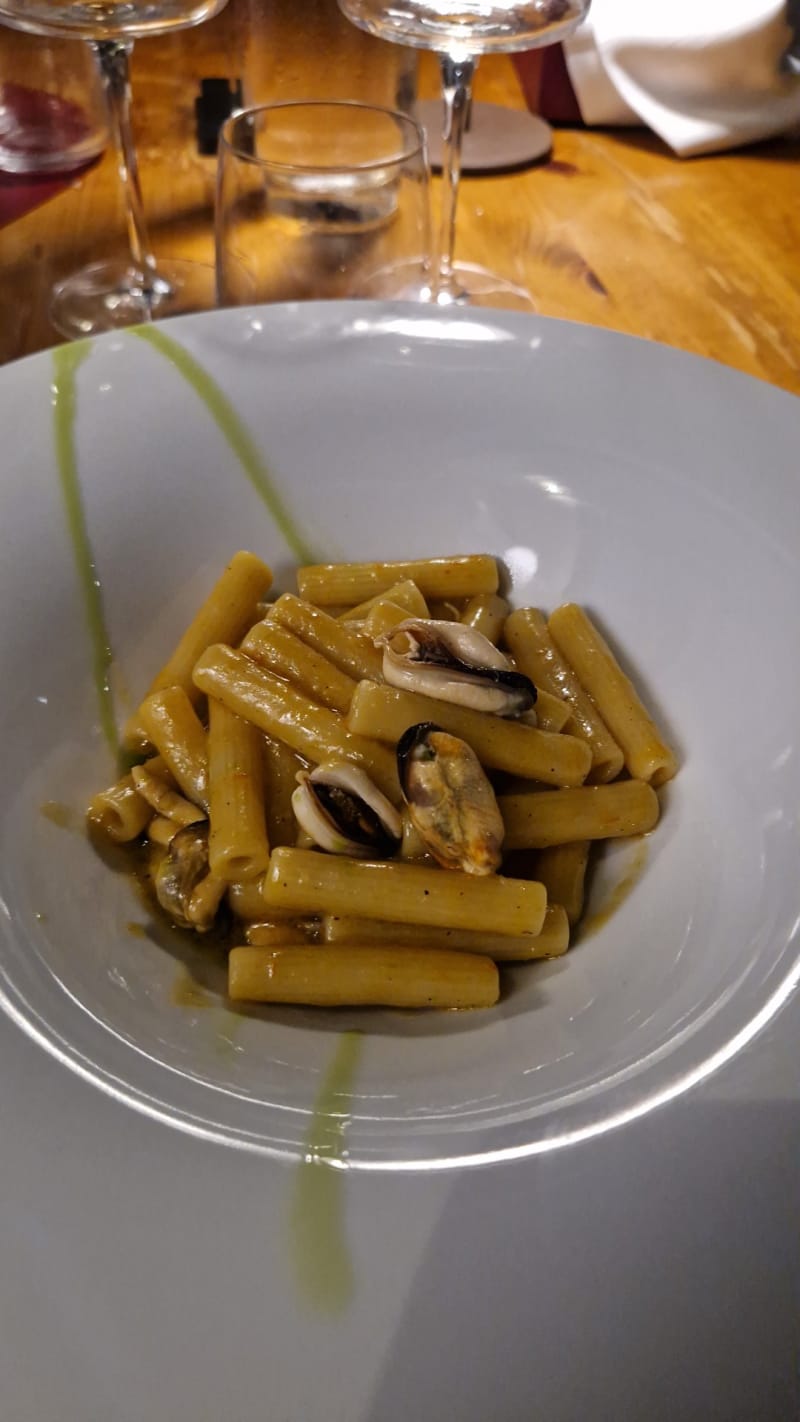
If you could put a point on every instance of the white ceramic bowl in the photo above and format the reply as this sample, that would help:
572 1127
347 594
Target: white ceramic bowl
656 488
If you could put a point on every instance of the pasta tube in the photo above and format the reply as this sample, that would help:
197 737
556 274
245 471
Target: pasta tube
562 870
172 725
275 935
204 901
448 611
281 765
543 817
647 755
461 576
164 799
405 594
237 844
162 831
283 712
283 653
224 617
384 616
246 899
537 656
314 883
486 612
383 712
552 714
120 812
362 977
347 649
551 942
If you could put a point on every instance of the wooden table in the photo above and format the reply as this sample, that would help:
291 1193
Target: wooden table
612 230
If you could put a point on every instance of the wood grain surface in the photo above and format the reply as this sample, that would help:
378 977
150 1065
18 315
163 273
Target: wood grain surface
613 230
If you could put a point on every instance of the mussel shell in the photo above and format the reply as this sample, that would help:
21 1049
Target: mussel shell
456 813
408 743
180 869
435 647
345 813
357 821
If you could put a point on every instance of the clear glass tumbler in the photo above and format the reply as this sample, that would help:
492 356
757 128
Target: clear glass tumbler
321 200
52 109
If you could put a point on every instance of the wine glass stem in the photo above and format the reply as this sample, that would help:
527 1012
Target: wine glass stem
113 60
457 75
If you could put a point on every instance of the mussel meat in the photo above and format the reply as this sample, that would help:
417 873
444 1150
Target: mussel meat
453 662
344 812
179 873
450 800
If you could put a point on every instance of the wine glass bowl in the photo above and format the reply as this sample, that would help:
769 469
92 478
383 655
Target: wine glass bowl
460 31
106 19
477 26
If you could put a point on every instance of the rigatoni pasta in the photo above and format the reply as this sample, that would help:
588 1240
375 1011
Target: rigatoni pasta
404 594
538 819
224 617
562 870
384 713
434 577
347 649
284 713
278 650
526 634
238 847
348 793
174 728
550 942
647 755
363 977
487 613
312 883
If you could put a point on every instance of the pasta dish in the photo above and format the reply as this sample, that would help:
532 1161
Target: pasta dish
384 785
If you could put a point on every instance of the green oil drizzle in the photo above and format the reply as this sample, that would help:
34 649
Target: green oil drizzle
235 431
66 363
323 1266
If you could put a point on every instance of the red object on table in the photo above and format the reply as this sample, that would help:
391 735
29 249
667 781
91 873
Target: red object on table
547 86
19 192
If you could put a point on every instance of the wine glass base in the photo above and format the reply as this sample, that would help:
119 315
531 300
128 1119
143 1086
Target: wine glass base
110 295
498 139
475 286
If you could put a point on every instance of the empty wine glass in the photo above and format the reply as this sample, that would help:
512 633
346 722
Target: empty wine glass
460 31
112 294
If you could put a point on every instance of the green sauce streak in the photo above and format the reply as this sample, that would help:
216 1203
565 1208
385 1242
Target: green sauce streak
66 362
235 431
323 1265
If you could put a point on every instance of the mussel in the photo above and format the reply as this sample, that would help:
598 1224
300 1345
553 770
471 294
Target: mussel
450 800
452 662
344 812
180 872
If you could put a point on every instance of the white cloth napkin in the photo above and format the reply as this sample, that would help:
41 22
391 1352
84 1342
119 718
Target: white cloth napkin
703 74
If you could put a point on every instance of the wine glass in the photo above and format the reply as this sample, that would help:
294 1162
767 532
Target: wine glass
111 294
460 31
